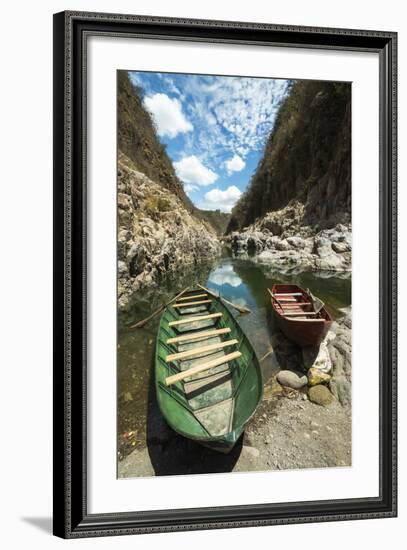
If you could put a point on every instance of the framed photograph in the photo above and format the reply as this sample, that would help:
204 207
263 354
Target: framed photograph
225 274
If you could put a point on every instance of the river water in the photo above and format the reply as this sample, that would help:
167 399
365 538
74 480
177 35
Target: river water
242 281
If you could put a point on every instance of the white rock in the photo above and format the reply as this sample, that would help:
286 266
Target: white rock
317 358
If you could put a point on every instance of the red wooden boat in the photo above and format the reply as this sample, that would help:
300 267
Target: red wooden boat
301 317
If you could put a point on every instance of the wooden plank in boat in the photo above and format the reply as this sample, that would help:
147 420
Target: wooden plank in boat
296 304
189 304
286 313
288 294
199 350
193 319
202 367
192 297
198 335
303 320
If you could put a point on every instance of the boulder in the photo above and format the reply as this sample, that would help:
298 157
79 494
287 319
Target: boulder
320 395
254 244
136 259
340 247
340 351
322 246
282 245
123 201
122 269
291 379
317 357
297 242
316 376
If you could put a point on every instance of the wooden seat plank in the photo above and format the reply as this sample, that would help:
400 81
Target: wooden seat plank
288 294
296 304
192 297
199 350
189 304
202 367
198 335
193 319
303 320
286 313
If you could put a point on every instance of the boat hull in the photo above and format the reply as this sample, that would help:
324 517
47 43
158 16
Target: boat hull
211 409
301 332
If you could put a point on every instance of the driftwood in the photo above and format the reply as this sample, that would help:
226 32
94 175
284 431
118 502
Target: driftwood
140 324
241 309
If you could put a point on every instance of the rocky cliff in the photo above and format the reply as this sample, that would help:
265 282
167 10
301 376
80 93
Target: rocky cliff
137 139
157 235
159 229
296 211
307 158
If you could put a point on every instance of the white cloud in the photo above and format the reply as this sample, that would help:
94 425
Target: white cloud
189 188
225 275
235 164
167 114
222 200
191 170
244 110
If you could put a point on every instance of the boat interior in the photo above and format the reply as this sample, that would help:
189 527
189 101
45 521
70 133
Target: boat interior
294 304
206 362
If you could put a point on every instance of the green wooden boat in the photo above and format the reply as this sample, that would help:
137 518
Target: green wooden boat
208 379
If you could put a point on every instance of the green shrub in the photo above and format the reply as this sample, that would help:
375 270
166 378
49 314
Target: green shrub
155 204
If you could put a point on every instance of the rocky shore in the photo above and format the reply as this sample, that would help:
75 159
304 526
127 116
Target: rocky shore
157 236
303 421
283 239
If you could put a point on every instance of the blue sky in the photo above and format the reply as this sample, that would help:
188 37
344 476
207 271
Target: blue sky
214 129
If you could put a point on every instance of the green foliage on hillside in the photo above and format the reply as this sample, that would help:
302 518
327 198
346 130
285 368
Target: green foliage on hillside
217 219
307 157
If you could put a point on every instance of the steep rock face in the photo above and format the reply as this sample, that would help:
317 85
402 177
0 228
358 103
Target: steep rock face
137 139
156 234
307 159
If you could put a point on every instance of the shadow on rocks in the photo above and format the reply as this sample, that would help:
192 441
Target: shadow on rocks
172 454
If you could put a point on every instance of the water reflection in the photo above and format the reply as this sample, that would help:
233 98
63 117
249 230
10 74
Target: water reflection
225 275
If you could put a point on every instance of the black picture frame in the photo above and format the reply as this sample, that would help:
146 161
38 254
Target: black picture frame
71 519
